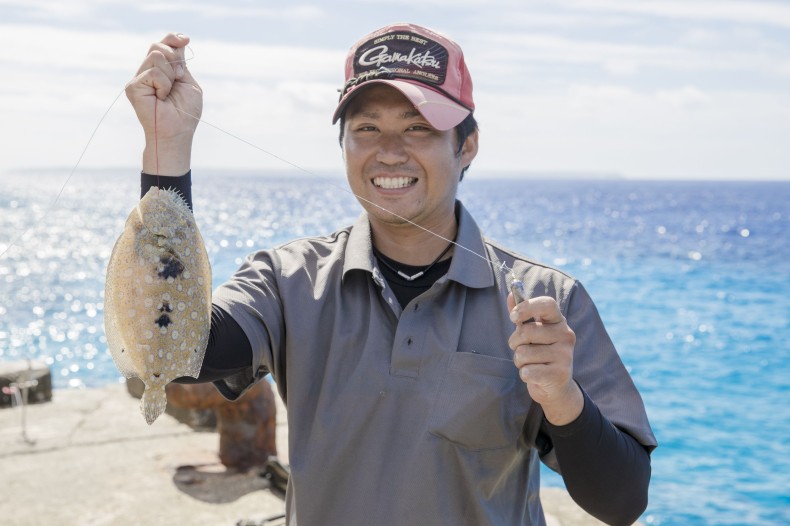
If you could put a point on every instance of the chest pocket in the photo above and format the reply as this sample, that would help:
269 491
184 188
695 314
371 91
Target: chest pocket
482 404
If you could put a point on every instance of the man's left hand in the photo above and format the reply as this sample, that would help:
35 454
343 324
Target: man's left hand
542 347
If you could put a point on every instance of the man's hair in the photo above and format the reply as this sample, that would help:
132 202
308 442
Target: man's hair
462 131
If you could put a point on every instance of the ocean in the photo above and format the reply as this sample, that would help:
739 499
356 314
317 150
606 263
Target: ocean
691 278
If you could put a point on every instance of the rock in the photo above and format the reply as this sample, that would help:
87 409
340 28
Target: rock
199 419
31 379
246 427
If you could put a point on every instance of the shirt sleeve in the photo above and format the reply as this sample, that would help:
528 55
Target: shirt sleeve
603 455
605 470
600 372
182 185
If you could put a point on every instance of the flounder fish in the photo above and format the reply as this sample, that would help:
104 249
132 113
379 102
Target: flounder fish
157 297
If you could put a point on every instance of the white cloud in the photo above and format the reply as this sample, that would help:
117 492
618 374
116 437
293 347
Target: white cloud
612 128
214 10
559 85
755 12
686 97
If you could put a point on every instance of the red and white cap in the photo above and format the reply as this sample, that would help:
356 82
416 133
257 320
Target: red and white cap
427 67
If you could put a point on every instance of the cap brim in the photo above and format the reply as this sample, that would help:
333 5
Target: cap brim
441 112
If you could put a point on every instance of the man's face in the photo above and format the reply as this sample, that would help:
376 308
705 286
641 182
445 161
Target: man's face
397 163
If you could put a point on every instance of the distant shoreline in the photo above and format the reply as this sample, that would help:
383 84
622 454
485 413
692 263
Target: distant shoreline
474 174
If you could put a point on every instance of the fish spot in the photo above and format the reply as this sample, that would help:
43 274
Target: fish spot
174 335
163 321
169 356
148 303
149 335
182 306
194 315
170 266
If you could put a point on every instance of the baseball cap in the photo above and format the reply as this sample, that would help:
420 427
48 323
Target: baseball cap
427 67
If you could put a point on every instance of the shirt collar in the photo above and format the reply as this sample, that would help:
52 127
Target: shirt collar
470 266
359 249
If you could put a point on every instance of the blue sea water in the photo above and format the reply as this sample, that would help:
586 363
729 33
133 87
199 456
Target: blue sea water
691 278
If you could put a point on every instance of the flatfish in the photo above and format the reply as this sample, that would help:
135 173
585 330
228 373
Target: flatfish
157 297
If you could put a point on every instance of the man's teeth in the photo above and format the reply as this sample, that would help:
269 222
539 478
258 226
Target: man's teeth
394 182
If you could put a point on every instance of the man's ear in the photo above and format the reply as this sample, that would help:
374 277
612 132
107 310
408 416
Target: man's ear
469 149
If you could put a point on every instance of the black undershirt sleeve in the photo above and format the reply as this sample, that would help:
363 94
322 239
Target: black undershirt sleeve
229 350
605 470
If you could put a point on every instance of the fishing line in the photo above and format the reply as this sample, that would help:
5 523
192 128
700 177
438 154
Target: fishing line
343 188
71 174
15 239
502 267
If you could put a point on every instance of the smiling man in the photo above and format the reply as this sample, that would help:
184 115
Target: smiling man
418 392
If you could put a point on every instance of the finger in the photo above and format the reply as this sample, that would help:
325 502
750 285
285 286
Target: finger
175 40
153 79
174 57
157 59
543 375
511 302
538 354
542 308
537 333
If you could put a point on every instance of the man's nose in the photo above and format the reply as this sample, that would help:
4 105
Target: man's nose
391 150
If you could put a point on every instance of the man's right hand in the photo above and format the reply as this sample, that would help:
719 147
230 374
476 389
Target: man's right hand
168 102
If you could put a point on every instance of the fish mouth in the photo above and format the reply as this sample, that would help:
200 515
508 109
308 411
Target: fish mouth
394 183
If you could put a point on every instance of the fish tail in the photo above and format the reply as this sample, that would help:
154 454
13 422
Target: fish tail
153 402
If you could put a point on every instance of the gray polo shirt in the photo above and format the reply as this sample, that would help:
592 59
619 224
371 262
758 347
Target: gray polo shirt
414 415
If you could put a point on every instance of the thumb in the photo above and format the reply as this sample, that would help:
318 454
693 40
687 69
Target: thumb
175 40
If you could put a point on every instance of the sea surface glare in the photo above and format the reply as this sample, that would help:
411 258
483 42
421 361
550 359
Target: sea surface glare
691 278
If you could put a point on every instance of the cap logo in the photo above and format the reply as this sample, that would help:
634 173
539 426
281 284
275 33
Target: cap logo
406 55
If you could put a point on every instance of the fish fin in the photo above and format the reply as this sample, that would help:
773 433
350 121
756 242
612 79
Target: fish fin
123 361
153 402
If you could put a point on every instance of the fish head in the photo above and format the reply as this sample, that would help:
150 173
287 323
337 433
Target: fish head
162 213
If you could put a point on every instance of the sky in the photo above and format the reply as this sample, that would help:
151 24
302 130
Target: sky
642 89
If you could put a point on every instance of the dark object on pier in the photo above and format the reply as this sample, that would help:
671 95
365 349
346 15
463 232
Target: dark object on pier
246 427
28 381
